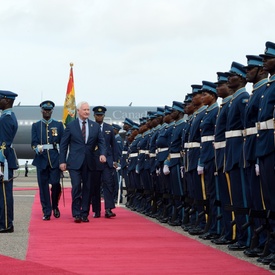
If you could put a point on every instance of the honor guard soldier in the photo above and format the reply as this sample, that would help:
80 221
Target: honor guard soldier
174 162
223 195
135 191
127 124
258 77
163 142
8 160
46 137
206 165
142 163
193 154
233 152
156 123
105 171
265 147
117 174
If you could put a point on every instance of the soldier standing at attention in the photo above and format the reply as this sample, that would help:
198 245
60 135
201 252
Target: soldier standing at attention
8 126
46 136
233 151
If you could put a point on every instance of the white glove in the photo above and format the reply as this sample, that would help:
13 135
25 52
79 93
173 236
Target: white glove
257 169
158 172
200 170
166 170
182 172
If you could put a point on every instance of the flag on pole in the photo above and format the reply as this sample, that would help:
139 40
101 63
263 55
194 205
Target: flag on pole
69 110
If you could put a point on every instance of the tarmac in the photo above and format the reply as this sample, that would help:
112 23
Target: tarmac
15 244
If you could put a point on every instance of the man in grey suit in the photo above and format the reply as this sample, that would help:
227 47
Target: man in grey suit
80 138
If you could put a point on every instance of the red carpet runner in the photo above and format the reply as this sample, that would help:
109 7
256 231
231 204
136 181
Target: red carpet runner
127 244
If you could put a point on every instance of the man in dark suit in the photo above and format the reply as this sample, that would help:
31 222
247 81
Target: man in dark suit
104 172
8 161
46 137
81 136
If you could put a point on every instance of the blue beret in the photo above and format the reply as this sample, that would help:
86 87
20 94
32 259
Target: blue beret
142 120
222 78
254 61
151 115
196 88
47 105
135 126
8 94
238 69
99 110
178 106
128 121
188 99
209 87
269 50
116 126
160 111
167 110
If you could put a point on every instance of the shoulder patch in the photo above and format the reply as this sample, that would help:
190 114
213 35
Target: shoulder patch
245 100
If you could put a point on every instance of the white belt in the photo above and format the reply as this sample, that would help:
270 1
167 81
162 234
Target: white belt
124 152
143 151
233 133
174 155
193 144
186 145
152 155
162 149
50 146
250 131
265 125
207 138
219 145
133 155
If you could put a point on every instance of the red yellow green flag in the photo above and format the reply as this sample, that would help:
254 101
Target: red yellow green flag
69 110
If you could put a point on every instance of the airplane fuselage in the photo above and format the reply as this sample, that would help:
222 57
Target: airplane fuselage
27 115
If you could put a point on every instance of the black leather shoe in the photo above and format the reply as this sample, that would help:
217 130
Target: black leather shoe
253 252
268 259
77 219
84 219
109 213
237 247
222 241
272 265
196 231
10 229
46 218
96 215
56 213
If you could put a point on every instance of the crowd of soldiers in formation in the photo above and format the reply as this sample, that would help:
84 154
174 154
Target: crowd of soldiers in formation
209 167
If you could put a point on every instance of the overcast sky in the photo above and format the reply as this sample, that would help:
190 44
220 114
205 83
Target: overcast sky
147 52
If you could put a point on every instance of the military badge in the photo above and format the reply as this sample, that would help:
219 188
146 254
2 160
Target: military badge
54 132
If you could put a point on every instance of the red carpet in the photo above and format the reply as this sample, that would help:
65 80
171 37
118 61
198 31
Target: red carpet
127 244
14 266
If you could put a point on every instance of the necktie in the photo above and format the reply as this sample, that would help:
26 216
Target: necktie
83 130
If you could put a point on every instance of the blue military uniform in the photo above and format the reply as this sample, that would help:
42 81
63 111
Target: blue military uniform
254 189
8 161
206 161
265 141
174 162
117 174
46 137
234 156
105 171
223 195
193 154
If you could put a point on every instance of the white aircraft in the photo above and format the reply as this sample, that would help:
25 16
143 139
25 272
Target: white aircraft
27 115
